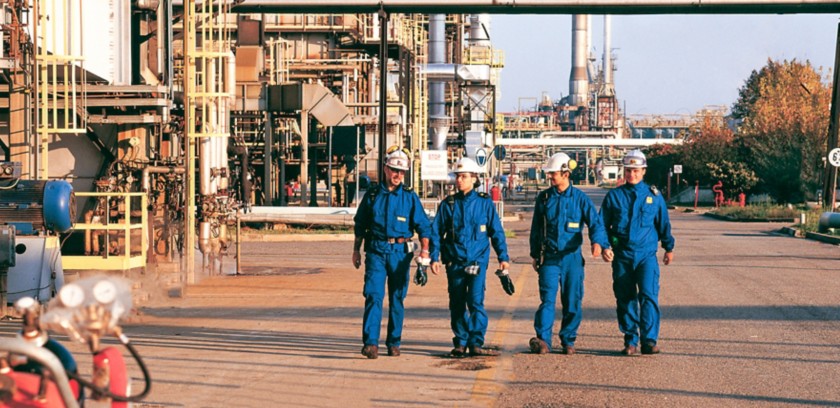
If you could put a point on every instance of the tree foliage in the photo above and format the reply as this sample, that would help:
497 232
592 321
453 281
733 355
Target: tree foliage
785 112
736 177
711 142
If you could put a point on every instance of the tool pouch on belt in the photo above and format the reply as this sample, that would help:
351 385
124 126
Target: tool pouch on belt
472 269
615 243
507 283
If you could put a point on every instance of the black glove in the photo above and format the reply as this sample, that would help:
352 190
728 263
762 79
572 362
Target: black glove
507 283
420 275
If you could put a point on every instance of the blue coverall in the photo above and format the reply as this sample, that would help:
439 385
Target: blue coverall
636 219
463 229
382 219
556 237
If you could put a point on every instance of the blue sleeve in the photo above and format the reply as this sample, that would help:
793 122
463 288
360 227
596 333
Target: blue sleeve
606 213
363 217
597 233
663 226
537 225
497 233
421 226
438 229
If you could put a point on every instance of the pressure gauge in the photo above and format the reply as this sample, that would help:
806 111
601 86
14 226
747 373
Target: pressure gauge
71 295
104 292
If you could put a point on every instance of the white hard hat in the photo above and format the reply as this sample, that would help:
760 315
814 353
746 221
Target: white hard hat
635 159
560 162
467 165
398 159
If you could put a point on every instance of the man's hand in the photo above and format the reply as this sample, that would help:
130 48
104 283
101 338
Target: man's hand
596 250
422 261
668 258
436 267
535 264
608 255
357 259
504 265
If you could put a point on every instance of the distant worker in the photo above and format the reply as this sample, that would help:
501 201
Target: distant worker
337 175
496 192
387 218
465 226
289 191
636 219
560 213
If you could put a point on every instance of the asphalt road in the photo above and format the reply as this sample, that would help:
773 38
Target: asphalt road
750 318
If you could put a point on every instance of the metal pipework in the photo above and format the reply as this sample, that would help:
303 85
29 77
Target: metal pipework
437 87
158 170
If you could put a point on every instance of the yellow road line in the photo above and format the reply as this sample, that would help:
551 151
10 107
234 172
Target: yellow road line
489 382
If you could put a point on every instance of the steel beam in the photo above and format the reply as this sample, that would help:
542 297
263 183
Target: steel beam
540 6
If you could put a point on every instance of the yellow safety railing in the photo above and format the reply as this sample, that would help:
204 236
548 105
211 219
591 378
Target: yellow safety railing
122 227
58 24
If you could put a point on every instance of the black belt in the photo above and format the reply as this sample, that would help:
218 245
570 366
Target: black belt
399 240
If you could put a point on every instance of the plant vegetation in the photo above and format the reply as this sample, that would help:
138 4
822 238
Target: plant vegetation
774 142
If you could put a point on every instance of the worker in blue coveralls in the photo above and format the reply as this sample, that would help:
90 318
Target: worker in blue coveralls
636 219
465 226
560 213
386 220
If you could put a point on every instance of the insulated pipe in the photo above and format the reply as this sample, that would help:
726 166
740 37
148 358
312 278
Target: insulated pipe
230 80
578 81
480 30
161 41
437 88
158 170
204 236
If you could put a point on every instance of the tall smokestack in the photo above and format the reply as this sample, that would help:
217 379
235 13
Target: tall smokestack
578 80
438 121
609 88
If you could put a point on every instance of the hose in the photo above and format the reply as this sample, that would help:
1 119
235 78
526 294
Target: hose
121 398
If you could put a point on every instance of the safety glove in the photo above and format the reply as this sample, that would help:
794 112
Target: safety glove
507 283
420 275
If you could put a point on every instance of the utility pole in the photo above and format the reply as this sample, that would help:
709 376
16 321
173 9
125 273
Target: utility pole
830 187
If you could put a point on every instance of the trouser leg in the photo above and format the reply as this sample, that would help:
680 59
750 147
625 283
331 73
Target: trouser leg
374 291
475 303
399 264
457 281
571 297
544 318
627 305
648 272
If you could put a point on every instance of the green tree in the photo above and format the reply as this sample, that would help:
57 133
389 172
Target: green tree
660 161
709 142
783 133
736 177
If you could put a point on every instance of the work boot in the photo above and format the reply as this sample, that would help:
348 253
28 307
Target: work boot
650 348
567 350
629 350
370 351
538 346
481 351
394 351
459 350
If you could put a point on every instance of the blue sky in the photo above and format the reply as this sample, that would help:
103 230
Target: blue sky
665 63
